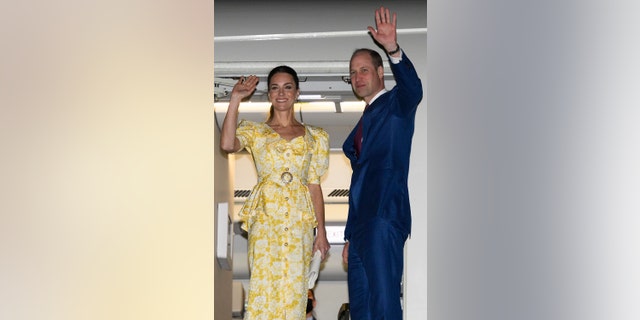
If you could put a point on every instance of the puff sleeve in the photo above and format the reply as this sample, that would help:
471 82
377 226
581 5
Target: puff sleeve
246 133
320 155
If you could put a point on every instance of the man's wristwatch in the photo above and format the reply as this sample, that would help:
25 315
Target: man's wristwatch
394 51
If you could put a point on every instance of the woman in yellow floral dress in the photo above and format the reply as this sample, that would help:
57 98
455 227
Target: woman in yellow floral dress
286 204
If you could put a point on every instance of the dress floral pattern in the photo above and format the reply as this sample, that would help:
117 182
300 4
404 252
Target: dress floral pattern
279 217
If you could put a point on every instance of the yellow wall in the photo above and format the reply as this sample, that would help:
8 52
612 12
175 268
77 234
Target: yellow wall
107 171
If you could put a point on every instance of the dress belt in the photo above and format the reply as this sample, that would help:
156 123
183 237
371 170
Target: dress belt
284 177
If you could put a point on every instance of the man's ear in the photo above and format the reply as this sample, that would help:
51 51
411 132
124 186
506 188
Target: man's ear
381 72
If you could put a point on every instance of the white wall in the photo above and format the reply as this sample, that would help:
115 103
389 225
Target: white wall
533 160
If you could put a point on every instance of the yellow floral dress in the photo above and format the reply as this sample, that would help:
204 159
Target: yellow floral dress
279 217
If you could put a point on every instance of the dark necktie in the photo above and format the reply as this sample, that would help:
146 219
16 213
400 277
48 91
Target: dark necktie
357 139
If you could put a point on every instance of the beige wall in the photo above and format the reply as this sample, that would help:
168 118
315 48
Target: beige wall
107 161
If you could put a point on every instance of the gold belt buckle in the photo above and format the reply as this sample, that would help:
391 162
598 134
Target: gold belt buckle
286 177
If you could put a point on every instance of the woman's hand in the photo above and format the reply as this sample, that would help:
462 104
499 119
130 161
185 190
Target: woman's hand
244 87
321 243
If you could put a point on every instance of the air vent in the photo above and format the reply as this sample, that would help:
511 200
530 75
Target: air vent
333 196
241 193
338 193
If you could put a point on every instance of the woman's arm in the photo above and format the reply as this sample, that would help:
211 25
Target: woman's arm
242 89
321 243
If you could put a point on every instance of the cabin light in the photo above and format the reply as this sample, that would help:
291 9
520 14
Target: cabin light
352 106
244 106
317 106
310 97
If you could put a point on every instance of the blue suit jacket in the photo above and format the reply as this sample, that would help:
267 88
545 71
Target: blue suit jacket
379 179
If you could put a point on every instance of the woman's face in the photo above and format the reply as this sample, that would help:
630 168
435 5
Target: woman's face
282 91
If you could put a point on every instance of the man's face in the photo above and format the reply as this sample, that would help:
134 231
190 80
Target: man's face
366 79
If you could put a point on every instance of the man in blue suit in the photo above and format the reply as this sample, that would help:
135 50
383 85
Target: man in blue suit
378 148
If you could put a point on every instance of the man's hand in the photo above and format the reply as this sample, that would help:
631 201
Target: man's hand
345 253
385 34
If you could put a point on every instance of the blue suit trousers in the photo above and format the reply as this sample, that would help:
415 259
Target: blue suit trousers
375 267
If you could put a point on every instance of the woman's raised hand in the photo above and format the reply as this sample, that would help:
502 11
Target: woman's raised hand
244 87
